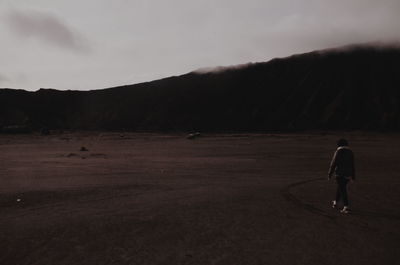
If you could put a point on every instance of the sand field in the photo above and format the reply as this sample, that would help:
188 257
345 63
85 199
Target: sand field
137 198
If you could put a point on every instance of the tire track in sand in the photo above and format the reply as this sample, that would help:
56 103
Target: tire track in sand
289 196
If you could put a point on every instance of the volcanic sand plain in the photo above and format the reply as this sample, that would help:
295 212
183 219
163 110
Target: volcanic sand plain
139 198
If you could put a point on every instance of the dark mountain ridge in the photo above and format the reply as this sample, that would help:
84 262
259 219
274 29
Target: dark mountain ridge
356 88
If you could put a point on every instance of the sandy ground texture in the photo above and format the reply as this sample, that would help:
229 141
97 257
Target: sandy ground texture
218 199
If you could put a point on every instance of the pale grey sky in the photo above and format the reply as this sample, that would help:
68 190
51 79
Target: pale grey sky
92 44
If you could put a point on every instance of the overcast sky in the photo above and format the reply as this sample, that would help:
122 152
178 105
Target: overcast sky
92 44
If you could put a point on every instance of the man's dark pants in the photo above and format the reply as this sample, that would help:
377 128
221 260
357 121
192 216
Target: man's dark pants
341 192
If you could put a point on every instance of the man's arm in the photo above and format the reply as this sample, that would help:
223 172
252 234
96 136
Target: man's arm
332 166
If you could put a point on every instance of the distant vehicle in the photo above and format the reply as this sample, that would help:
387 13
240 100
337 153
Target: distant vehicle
192 136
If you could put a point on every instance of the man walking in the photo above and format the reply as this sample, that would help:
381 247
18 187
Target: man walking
342 166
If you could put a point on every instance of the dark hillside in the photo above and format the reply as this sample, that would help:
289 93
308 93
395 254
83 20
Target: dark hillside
356 88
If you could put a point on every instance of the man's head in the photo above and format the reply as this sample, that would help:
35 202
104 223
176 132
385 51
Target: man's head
342 142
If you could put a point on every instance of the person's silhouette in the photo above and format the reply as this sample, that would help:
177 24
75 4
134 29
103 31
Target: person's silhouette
342 166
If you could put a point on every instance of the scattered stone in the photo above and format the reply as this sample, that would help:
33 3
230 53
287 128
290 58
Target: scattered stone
98 155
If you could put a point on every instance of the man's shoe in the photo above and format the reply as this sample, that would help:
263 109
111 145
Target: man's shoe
345 210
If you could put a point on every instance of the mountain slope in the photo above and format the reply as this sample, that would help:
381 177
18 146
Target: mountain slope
357 88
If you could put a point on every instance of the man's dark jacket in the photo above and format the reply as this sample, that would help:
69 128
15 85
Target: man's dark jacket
343 163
